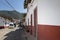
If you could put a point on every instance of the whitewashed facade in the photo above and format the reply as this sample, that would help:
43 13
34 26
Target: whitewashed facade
48 21
2 21
49 12
30 11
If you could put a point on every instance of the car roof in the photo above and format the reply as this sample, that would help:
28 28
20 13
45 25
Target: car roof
11 23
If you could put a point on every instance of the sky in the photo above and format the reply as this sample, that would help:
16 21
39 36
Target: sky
17 4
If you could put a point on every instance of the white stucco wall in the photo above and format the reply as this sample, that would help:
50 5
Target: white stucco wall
31 7
49 12
2 21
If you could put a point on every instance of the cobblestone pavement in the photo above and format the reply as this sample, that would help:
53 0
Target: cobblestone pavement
12 34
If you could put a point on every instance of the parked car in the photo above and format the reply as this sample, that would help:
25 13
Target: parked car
11 25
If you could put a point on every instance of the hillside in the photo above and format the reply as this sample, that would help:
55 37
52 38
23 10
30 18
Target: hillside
11 14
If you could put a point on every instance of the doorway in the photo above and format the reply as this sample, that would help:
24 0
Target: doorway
35 21
31 25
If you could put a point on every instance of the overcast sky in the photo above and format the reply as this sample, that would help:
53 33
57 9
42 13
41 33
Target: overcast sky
17 4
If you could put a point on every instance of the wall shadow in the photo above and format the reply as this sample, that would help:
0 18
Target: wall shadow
15 35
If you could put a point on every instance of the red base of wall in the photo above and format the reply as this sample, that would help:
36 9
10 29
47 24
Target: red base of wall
5 26
47 32
1 27
30 29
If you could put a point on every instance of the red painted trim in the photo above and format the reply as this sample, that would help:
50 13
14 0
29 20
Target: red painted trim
48 32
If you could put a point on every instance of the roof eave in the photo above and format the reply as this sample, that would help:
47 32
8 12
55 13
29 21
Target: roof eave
26 2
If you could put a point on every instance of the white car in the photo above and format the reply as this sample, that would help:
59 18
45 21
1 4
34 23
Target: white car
11 25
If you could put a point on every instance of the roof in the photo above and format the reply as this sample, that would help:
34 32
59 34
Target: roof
26 2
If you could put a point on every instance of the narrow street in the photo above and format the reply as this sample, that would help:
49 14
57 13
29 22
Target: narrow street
12 34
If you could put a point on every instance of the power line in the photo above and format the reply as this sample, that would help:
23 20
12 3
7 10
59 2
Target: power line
9 4
4 3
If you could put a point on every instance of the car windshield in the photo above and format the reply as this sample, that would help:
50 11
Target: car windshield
11 24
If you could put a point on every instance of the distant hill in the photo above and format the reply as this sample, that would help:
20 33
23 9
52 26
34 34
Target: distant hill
12 14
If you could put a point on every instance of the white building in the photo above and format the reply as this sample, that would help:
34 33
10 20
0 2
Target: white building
3 22
42 19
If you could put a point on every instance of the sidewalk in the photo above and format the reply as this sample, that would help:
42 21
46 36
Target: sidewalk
4 32
30 37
